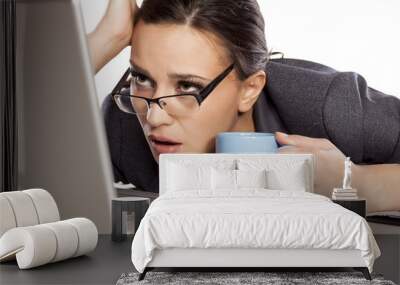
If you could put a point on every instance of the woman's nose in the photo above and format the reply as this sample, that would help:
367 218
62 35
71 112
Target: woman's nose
156 116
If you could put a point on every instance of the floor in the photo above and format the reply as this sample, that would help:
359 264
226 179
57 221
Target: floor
110 260
388 239
102 266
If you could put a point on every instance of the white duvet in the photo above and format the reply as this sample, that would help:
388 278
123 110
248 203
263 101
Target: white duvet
253 218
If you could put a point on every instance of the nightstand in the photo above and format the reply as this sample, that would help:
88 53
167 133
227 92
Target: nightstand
124 208
358 206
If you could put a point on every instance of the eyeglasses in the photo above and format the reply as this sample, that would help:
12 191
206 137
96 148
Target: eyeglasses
138 101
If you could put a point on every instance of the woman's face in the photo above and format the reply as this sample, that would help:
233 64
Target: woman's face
167 54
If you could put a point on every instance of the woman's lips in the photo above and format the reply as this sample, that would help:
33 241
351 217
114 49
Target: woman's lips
165 148
164 145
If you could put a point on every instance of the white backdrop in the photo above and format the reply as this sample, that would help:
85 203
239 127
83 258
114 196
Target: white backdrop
348 35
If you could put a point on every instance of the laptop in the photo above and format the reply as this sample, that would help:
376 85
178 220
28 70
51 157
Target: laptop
62 141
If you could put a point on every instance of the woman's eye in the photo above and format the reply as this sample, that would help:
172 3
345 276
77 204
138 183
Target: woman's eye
141 80
189 87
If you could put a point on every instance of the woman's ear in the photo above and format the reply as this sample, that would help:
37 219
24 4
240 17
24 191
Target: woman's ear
250 90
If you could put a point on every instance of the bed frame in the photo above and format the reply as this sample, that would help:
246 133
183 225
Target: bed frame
261 259
248 259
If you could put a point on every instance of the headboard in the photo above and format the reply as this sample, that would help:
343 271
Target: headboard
223 158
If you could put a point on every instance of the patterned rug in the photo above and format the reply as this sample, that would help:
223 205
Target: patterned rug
243 278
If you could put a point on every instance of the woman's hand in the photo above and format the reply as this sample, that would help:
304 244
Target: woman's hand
329 160
118 19
378 184
113 33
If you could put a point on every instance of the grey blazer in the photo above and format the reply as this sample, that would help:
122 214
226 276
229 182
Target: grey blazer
301 97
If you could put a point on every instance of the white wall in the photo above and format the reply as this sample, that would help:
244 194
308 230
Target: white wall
349 35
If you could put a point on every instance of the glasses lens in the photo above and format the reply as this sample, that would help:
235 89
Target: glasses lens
139 105
131 105
124 103
180 105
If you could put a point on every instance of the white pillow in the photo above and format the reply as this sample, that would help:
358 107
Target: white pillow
293 178
223 179
251 178
282 173
229 179
182 177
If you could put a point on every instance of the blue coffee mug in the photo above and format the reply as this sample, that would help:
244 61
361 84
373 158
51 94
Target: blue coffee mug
245 142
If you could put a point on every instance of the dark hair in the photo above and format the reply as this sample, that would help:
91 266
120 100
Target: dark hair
238 23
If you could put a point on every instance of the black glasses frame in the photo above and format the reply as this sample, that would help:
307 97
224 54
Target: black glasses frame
200 97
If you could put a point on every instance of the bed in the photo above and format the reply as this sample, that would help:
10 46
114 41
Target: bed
247 211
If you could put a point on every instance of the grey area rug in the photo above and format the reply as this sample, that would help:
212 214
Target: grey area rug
230 278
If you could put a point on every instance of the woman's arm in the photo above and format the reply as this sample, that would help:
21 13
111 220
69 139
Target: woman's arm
378 184
113 33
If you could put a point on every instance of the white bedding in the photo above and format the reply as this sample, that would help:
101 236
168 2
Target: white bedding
251 218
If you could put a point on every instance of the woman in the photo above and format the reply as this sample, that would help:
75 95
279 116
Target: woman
179 47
